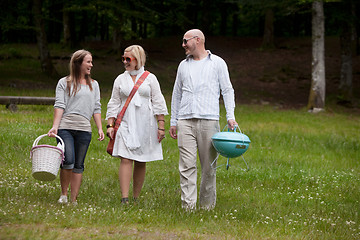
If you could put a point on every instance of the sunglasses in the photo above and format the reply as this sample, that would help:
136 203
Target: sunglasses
127 59
185 41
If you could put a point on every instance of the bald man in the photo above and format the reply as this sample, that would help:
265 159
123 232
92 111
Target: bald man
200 79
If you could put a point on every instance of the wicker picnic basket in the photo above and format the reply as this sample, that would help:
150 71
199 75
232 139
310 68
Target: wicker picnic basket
46 159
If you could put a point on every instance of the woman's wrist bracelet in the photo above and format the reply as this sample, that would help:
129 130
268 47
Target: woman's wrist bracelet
161 129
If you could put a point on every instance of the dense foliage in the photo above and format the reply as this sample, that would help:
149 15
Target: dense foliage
106 20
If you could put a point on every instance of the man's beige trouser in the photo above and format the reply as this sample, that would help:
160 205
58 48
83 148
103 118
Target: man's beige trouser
194 135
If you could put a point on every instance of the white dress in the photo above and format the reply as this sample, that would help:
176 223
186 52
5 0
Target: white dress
136 137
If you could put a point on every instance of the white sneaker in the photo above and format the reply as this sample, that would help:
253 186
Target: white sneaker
63 199
188 207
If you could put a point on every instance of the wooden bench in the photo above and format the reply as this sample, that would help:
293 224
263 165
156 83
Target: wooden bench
11 102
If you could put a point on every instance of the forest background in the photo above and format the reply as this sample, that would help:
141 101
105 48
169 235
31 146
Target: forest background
267 44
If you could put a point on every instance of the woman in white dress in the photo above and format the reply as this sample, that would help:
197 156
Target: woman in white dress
138 139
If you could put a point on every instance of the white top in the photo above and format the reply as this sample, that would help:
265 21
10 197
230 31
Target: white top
75 122
197 89
136 137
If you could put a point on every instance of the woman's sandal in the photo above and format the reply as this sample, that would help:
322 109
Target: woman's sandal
125 201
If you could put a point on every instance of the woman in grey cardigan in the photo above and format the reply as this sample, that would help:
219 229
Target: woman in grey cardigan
77 100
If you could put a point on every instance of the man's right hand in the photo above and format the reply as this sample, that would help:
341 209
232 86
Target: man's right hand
172 132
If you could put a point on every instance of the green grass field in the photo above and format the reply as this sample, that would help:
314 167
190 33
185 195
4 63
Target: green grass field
303 183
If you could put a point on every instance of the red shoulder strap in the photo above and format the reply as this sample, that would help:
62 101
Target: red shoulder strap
132 93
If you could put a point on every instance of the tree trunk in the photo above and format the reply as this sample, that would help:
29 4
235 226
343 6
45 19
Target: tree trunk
224 18
45 59
317 91
235 24
84 26
145 30
117 40
345 87
54 27
66 28
141 28
356 31
268 40
192 12
206 17
117 32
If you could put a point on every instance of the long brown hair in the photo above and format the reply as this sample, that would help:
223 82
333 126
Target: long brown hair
75 72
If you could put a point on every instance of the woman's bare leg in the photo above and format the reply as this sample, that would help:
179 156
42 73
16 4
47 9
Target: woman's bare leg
138 177
125 172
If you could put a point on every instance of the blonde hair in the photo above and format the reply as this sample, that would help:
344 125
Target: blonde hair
75 71
138 52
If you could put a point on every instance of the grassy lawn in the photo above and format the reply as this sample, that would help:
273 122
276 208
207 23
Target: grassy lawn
303 183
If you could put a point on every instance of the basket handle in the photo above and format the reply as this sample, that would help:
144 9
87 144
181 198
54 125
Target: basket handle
41 136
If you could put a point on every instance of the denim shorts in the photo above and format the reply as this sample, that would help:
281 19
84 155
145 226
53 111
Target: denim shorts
76 146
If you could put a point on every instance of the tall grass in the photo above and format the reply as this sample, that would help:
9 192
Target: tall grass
303 183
